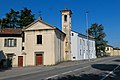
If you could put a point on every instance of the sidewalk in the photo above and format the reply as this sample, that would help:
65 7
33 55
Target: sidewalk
34 69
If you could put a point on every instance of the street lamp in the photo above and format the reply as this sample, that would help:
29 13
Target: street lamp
87 36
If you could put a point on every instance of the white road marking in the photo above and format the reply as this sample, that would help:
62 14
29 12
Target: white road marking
51 76
81 68
67 72
110 72
77 69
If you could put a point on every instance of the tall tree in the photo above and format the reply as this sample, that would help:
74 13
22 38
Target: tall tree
97 31
17 19
25 17
12 18
3 23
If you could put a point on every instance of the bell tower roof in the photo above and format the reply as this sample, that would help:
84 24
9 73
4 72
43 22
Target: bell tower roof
66 10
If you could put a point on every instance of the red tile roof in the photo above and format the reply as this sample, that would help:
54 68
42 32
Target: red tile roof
11 31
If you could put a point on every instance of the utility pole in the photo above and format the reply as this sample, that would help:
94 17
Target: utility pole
88 53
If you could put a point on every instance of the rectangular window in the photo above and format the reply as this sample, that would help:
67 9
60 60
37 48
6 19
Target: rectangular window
83 42
39 39
22 48
10 42
80 41
73 57
80 51
108 49
72 34
66 44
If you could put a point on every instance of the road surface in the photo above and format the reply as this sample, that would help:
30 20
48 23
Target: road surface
98 69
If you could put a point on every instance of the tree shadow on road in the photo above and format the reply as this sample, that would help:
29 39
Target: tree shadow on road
80 77
103 67
117 60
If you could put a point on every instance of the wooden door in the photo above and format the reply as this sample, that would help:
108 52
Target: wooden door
9 60
39 59
20 61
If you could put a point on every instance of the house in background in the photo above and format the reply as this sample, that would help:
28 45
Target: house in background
80 49
116 52
10 46
111 51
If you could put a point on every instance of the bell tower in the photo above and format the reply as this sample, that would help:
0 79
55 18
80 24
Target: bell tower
66 28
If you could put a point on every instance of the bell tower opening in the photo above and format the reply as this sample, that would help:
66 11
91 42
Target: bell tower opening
65 18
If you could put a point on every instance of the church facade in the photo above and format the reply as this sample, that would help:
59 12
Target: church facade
44 44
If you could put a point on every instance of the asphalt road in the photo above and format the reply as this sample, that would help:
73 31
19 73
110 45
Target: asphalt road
99 69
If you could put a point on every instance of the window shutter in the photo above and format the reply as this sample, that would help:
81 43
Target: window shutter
15 42
5 42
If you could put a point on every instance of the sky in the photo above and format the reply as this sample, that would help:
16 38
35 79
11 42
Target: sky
105 12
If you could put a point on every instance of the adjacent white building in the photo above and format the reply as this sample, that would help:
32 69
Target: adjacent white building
80 49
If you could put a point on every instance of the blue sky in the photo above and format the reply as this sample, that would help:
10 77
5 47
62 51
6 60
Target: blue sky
106 12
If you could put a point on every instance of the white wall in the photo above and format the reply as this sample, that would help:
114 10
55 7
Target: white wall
79 47
92 49
74 50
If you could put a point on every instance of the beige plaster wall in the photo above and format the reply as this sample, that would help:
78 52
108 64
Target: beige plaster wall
59 46
47 47
8 50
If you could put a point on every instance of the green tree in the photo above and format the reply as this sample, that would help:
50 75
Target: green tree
97 31
15 19
11 19
25 17
3 23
